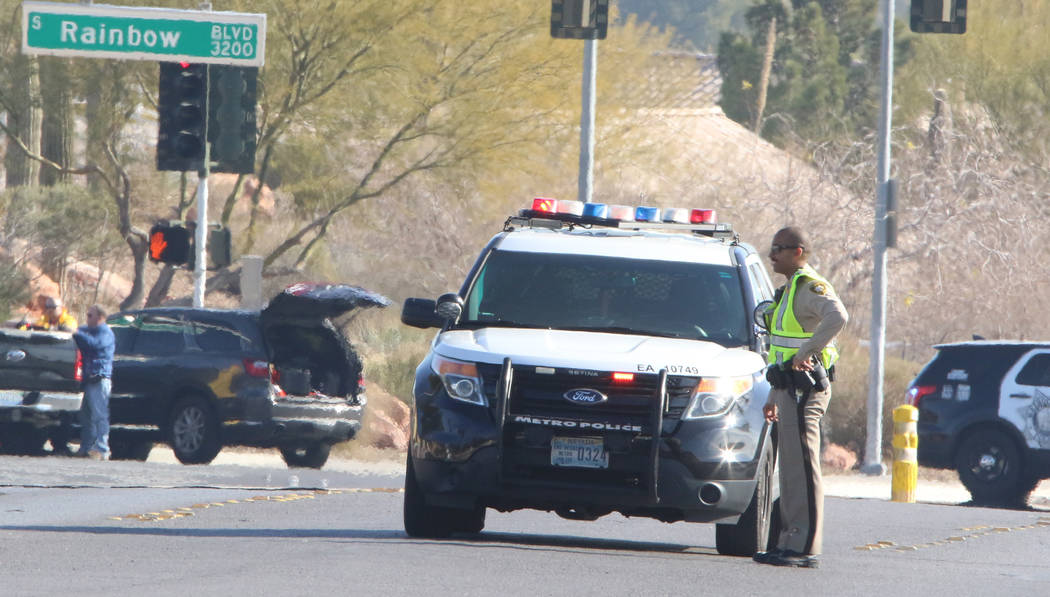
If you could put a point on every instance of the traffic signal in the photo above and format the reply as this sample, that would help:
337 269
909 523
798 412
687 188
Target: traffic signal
182 106
169 243
938 16
231 118
579 19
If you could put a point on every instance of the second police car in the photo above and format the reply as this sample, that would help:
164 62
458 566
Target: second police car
598 359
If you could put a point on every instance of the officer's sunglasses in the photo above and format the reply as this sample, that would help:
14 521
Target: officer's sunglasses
779 248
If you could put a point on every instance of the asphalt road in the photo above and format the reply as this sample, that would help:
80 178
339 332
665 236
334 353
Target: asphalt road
129 528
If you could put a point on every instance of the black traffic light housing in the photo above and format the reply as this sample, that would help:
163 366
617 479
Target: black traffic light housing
175 243
182 107
231 118
938 16
170 243
579 19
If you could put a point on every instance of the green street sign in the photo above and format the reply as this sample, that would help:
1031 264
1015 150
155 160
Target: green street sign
134 33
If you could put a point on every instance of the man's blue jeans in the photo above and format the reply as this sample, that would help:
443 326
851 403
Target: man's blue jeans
94 416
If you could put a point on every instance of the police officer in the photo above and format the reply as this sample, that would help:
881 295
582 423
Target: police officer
806 318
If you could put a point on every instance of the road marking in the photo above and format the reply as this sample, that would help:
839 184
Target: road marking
184 511
975 532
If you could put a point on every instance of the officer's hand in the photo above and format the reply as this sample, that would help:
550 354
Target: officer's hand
801 364
770 412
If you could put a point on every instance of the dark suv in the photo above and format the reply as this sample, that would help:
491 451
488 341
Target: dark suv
984 410
204 378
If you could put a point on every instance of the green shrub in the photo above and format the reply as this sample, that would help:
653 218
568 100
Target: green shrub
846 422
390 349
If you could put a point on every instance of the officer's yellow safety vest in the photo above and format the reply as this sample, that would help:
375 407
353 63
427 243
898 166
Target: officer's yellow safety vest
786 334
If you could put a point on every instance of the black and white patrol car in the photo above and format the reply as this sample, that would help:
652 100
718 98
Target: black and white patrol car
597 359
984 410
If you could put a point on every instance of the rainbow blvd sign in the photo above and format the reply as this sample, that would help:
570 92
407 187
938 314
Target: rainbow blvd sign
134 33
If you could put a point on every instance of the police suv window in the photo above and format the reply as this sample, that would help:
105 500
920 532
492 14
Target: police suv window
760 283
1036 371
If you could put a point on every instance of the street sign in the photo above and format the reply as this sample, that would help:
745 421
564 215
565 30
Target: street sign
135 33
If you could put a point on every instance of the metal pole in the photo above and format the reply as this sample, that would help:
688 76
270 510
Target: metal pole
590 68
873 448
201 256
200 263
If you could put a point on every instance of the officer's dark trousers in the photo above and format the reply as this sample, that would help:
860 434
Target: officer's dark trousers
801 486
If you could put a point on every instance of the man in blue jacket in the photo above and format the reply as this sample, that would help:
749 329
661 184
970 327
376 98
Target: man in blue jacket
96 343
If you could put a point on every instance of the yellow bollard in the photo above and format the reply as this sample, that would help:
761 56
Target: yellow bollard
905 453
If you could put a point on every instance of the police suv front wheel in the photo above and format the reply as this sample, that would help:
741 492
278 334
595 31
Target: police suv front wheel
759 525
435 522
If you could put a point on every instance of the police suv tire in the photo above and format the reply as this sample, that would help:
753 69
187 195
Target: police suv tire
313 455
193 431
990 466
759 526
435 522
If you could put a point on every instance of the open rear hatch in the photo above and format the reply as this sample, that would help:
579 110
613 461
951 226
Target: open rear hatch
312 357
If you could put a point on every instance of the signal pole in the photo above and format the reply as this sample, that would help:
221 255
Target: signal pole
590 76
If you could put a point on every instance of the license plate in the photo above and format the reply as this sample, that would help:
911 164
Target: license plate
580 452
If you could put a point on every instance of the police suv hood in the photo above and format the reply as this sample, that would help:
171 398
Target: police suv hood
597 351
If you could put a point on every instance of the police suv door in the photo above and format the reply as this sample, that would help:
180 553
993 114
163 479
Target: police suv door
1024 397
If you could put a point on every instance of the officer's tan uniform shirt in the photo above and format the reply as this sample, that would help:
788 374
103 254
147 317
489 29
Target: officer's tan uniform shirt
819 310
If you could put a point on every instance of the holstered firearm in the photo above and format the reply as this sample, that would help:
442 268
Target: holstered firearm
783 377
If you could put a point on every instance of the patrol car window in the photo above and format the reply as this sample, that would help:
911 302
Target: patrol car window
1036 371
588 292
159 335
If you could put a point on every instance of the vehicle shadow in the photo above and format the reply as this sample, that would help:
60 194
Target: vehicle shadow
486 540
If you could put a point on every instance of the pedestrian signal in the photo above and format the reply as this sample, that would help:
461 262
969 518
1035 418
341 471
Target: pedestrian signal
938 16
169 244
579 19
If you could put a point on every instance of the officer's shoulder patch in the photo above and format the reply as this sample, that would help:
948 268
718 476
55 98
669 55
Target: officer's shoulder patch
818 288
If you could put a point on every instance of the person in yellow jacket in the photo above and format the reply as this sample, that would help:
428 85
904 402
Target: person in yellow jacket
54 319
803 324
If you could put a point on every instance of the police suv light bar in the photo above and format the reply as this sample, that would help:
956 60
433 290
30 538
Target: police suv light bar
702 221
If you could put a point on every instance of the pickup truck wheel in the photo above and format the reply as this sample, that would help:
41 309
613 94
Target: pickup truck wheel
759 525
193 431
989 465
306 455
435 522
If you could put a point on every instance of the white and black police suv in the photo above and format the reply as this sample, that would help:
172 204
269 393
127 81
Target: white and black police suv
984 410
598 359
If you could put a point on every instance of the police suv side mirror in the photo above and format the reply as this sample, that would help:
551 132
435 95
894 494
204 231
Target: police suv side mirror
760 313
449 307
419 313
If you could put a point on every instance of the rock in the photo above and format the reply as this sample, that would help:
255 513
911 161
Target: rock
838 458
385 422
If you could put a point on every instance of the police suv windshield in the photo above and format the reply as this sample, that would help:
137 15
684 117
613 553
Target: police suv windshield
595 293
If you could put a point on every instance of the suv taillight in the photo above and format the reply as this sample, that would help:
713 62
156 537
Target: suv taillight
257 368
78 367
916 393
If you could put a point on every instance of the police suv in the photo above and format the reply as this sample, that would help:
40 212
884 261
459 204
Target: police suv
984 410
598 359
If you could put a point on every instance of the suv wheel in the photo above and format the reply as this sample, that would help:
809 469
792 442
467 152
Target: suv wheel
193 431
989 465
306 455
759 525
435 522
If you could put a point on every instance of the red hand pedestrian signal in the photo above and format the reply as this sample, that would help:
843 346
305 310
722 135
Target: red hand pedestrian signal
169 243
